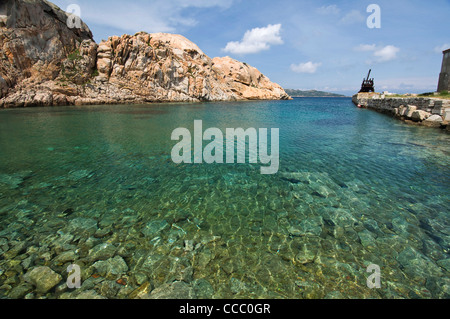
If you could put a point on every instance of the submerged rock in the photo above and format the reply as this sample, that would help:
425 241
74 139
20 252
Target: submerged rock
188 245
307 253
66 257
176 290
112 267
141 292
20 291
203 289
90 294
154 227
109 288
84 227
444 263
102 252
417 266
367 239
237 286
308 289
43 278
14 181
311 226
335 295
80 174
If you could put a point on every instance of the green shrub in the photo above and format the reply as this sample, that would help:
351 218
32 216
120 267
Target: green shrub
75 55
427 94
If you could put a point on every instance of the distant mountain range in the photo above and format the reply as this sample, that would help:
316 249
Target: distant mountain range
311 93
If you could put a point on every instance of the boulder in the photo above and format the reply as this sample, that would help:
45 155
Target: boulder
402 110
410 110
447 115
419 116
434 118
43 278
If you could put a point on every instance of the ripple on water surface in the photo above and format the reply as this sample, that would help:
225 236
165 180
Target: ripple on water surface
96 186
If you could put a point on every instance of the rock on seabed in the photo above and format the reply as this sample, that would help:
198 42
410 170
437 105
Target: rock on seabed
175 290
43 278
43 63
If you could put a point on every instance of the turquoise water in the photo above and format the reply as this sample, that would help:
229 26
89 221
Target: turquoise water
96 186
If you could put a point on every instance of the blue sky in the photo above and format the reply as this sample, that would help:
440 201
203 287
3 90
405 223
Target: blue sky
300 44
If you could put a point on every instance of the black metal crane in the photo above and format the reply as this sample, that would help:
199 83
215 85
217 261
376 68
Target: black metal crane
367 84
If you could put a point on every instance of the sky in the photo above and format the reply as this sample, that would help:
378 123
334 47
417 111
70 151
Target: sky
299 44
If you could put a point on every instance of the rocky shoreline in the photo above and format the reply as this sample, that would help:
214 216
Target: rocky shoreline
43 62
425 111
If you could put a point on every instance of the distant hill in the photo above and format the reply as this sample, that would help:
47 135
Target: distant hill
311 93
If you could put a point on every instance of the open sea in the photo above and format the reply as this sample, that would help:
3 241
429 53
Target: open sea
96 186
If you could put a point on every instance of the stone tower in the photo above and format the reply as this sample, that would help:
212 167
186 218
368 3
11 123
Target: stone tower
444 77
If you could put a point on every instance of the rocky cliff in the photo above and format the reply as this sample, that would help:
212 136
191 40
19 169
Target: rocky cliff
43 62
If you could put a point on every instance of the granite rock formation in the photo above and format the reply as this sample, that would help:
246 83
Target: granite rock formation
43 62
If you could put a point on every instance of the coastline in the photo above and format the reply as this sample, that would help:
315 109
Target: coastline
99 102
320 97
128 69
424 111
138 103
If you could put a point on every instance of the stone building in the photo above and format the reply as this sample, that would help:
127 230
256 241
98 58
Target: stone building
444 77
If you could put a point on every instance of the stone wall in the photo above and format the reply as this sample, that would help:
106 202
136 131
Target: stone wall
424 110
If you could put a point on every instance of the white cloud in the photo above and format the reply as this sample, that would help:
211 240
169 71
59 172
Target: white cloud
308 67
331 9
365 47
256 40
441 48
380 53
353 16
386 54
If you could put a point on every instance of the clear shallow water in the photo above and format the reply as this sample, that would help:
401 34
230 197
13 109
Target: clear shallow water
93 185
